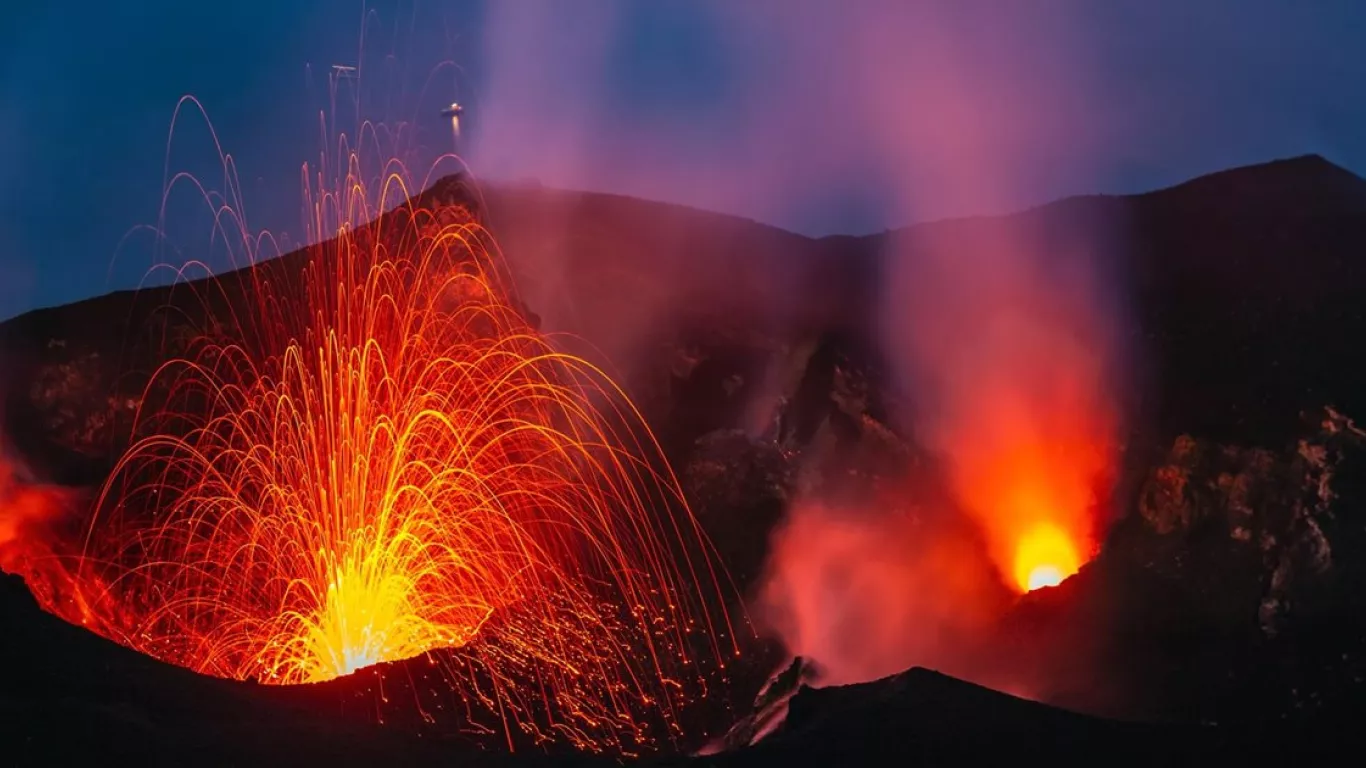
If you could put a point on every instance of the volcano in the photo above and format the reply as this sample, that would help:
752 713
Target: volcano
1225 600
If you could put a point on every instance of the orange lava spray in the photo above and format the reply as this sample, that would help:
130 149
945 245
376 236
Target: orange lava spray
368 453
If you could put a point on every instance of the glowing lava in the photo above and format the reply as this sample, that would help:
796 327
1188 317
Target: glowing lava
370 454
1045 556
1043 576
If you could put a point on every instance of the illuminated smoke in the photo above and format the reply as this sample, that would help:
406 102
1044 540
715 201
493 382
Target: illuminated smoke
999 330
1000 337
866 593
23 505
30 510
1004 353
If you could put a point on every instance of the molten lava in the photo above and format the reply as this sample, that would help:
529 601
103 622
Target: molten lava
1045 556
1032 488
374 456
1031 462
1041 530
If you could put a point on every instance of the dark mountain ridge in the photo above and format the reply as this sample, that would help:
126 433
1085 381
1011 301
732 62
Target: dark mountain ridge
1224 275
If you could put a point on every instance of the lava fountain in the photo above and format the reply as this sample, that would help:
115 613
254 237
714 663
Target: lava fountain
367 453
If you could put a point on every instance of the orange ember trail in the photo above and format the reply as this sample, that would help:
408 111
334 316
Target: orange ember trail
380 457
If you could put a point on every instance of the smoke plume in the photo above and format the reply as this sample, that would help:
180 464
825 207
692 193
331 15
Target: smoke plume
1000 339
28 509
864 593
1004 345
1000 336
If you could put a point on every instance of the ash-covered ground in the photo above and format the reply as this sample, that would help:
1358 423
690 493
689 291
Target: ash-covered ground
1225 602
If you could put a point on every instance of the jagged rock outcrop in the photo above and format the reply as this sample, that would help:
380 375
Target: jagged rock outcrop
739 488
1233 592
770 707
1251 511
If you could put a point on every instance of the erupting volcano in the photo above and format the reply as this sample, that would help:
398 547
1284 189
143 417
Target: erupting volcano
372 454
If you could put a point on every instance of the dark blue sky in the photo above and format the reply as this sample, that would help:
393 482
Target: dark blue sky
817 116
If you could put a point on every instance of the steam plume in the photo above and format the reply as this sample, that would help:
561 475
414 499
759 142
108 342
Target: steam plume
27 509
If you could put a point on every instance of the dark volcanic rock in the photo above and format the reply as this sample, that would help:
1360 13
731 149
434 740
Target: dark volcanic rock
69 697
740 488
943 721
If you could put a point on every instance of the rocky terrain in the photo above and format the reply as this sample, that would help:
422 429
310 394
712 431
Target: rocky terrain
1229 591
79 698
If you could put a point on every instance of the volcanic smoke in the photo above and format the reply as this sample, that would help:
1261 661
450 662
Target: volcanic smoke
1004 353
26 509
1008 364
1000 338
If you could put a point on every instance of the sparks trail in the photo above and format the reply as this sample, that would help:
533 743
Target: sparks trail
370 454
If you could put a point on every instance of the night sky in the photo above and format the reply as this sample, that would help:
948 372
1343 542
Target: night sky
820 117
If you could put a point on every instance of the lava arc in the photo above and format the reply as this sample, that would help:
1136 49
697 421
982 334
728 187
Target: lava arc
367 453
